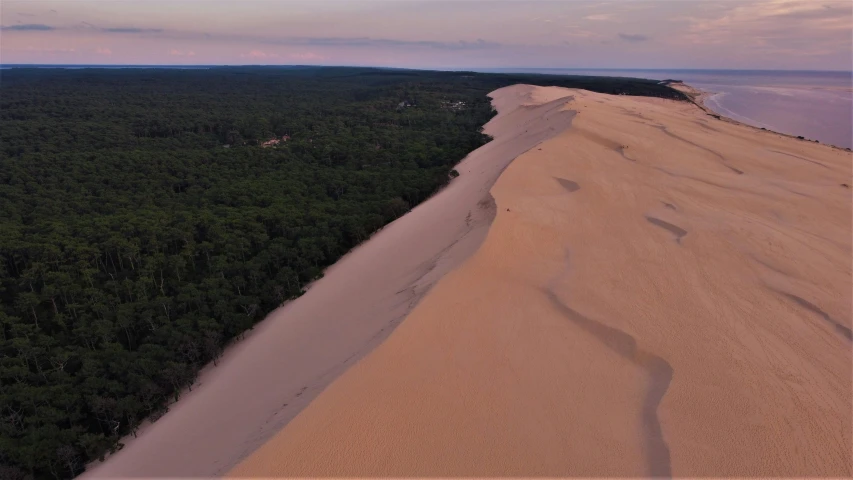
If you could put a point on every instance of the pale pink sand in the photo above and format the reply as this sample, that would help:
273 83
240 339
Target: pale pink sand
638 308
265 380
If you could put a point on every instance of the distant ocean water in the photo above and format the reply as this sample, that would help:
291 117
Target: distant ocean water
816 105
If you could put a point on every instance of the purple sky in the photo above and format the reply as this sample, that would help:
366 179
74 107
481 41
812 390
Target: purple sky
743 34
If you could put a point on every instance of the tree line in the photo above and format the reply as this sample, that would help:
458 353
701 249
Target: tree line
144 226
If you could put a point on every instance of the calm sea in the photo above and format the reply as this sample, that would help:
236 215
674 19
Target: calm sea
816 105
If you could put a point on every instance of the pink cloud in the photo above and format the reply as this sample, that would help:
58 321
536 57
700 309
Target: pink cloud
178 53
103 51
306 56
50 51
259 54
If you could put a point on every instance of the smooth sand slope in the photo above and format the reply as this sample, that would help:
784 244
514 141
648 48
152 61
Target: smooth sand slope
661 293
264 381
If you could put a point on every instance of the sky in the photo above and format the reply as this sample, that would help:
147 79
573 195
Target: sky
667 34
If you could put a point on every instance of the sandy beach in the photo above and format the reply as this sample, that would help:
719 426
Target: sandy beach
660 293
816 112
262 382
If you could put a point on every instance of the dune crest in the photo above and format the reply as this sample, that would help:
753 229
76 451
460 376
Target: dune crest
289 358
661 293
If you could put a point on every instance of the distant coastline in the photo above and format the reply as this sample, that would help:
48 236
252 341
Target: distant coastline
709 102
813 104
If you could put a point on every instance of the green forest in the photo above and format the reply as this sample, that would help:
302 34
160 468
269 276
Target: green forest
145 225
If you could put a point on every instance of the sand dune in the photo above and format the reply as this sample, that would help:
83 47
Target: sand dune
661 293
290 357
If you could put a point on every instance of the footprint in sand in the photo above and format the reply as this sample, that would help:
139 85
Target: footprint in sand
674 229
569 185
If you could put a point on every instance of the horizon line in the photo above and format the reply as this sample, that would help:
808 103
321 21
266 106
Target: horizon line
461 69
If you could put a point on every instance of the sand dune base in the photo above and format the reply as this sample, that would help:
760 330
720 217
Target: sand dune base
661 293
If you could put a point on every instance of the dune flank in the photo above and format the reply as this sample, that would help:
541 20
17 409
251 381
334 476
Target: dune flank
289 358
661 293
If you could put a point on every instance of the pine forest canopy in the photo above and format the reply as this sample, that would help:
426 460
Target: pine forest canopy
145 225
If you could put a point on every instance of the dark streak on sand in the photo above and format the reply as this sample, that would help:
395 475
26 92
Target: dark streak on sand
799 157
706 182
790 190
569 185
770 266
841 329
669 206
621 150
665 130
722 159
706 126
659 374
674 229
633 114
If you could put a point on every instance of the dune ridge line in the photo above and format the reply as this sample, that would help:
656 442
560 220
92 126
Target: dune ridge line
265 380
709 306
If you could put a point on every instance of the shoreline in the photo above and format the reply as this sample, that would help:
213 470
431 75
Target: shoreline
699 96
264 380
